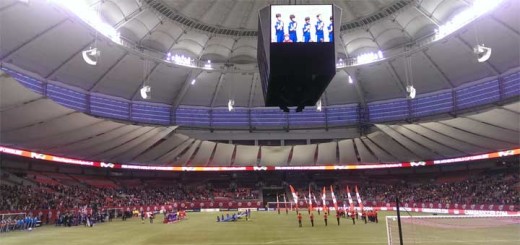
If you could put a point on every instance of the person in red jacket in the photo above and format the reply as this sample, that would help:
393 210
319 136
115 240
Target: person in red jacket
312 219
300 219
325 218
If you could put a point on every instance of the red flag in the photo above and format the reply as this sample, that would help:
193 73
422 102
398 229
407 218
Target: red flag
295 196
350 200
360 203
334 199
310 200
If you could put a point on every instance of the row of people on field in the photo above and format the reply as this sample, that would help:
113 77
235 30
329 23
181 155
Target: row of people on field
235 216
18 223
366 216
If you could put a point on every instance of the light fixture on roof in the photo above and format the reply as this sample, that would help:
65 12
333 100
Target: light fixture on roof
193 82
479 8
208 65
230 105
318 105
144 92
410 90
91 55
483 53
350 80
379 54
340 63
369 57
90 15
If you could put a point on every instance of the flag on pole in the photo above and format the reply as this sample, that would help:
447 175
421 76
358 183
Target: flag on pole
285 201
358 197
350 200
310 200
323 196
314 197
295 196
334 199
277 204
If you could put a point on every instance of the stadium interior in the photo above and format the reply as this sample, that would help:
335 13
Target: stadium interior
114 113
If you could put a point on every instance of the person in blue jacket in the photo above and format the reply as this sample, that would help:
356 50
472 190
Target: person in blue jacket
330 29
307 30
292 29
279 28
319 29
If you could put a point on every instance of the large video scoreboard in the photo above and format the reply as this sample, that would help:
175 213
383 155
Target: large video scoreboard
296 53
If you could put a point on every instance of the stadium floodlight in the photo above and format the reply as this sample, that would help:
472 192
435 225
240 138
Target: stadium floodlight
193 82
369 57
90 56
483 53
182 60
90 16
411 91
350 80
379 54
479 8
318 105
230 105
208 65
340 63
144 92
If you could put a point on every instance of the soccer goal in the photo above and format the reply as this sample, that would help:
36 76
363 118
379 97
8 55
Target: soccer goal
454 229
115 212
9 222
283 206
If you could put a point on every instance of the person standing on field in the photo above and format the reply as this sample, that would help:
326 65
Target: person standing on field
325 218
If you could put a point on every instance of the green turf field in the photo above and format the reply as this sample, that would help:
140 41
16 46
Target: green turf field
263 228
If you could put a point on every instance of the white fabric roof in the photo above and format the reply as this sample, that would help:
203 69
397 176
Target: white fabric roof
48 43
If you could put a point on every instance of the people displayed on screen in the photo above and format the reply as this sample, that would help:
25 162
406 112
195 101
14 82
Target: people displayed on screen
307 30
292 28
279 28
319 28
330 29
286 39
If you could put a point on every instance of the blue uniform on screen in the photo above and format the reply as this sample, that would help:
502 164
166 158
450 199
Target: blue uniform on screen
279 28
330 29
292 29
319 29
307 30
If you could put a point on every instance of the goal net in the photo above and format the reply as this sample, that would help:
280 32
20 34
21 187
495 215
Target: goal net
114 212
283 206
11 221
455 229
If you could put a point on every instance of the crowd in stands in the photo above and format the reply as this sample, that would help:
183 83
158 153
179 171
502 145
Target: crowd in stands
498 188
479 189
60 196
493 188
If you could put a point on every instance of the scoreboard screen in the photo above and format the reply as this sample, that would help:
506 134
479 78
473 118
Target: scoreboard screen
302 23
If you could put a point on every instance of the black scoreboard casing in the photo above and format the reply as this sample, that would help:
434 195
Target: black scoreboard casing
294 74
